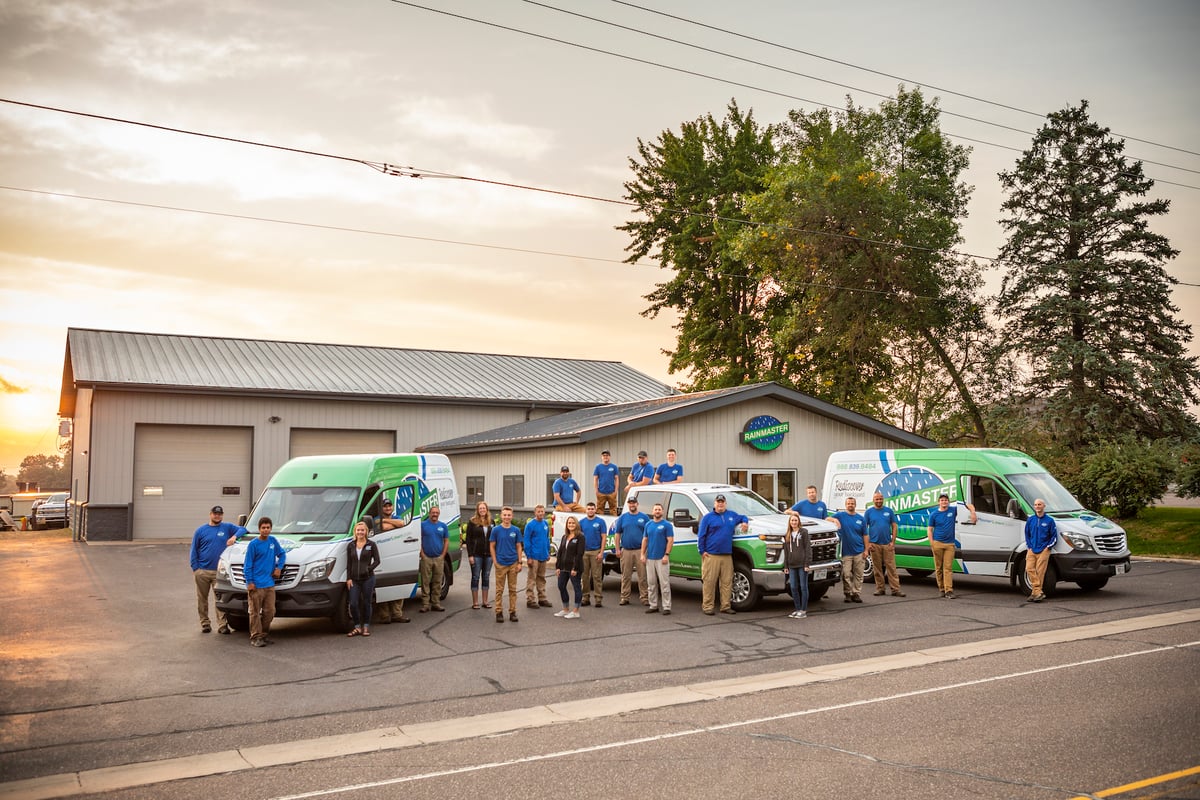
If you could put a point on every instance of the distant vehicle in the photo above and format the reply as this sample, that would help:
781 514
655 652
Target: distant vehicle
51 512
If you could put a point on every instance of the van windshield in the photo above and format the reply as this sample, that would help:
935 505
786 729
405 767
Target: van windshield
740 501
307 511
1032 485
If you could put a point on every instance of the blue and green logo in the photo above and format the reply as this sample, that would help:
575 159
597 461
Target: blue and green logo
764 432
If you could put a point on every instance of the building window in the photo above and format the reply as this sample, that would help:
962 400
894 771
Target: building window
514 490
777 486
550 479
474 490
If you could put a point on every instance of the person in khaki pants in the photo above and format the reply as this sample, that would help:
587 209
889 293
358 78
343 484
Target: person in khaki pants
535 540
435 542
208 543
507 553
1041 532
627 533
942 526
882 531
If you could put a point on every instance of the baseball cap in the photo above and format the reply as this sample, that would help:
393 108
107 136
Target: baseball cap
605 453
631 501
641 453
719 497
387 502
217 510
564 469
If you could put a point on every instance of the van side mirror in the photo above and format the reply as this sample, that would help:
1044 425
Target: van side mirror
243 519
781 507
1014 510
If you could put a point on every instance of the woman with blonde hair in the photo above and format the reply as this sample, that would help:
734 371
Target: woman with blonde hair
479 553
797 558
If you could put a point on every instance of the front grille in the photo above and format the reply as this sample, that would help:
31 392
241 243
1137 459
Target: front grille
1111 543
825 550
290 573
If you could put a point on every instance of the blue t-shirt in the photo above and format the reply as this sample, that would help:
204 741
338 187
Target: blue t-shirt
942 523
593 532
606 478
536 540
208 543
1040 532
434 536
263 556
631 528
656 537
641 472
806 509
666 473
879 524
566 489
715 535
853 526
506 540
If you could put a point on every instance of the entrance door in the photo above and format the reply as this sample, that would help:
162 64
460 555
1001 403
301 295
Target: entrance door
763 483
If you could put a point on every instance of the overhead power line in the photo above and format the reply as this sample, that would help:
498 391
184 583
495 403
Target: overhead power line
852 65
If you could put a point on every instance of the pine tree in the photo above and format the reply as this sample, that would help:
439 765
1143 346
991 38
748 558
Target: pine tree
1087 299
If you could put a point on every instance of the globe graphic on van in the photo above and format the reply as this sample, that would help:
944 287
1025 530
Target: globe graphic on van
912 513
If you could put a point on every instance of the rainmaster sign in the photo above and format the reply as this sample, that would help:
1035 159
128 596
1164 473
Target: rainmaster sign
764 432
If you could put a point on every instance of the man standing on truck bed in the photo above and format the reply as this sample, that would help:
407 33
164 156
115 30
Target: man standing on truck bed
392 610
435 541
536 539
882 531
604 482
629 529
208 542
714 540
942 541
1040 534
505 544
641 474
594 530
262 566
669 472
852 530
811 506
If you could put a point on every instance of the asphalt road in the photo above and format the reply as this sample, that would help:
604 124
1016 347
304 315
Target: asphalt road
102 664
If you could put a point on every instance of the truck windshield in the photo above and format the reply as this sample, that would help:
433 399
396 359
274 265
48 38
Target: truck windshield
307 511
1032 485
740 501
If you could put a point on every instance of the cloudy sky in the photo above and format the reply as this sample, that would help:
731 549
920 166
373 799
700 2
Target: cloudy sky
108 225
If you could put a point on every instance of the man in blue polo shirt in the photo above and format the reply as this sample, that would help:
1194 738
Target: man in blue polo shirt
811 506
656 547
641 474
942 542
881 533
567 492
852 531
435 542
669 472
507 552
604 482
208 543
629 529
536 539
1041 532
262 566
714 540
594 530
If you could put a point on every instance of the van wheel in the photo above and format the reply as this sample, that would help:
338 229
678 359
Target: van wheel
919 573
1049 582
341 614
1093 584
868 568
815 593
447 580
746 593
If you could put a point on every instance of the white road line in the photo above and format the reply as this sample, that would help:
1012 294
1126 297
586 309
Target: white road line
146 773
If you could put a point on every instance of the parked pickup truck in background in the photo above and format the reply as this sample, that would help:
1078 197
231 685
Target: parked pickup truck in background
51 512
757 554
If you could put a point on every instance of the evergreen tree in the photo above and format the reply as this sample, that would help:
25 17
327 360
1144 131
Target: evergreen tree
1087 300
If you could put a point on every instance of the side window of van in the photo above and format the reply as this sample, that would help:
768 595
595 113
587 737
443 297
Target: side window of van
405 495
990 497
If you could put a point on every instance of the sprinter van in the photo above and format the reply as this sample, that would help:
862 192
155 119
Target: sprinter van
314 503
1001 485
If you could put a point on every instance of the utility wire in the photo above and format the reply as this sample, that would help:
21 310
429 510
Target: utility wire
697 74
805 75
877 72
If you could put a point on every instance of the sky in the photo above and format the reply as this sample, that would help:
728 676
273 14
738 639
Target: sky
188 235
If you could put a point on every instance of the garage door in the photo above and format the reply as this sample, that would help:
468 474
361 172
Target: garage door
181 471
323 442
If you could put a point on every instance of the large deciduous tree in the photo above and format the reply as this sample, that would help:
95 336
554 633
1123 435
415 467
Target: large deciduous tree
1087 299
48 472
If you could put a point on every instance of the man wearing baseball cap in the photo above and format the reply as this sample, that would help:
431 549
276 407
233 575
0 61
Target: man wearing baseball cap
208 542
641 474
567 492
714 540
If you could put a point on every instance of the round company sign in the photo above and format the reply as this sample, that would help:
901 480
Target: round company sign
764 432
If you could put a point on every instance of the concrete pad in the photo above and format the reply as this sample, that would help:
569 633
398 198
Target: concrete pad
470 727
111 779
66 785
271 755
596 708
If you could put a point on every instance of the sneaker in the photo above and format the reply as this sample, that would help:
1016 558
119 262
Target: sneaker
899 594
709 613
225 629
530 604
880 592
623 603
439 608
513 616
573 615
545 604
423 609
499 618
728 611
801 615
1038 598
651 610
562 613
793 614
856 598
950 596
645 602
941 594
847 599
206 628
403 619
257 643
598 604
666 612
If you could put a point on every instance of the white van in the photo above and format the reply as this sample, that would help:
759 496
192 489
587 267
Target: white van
314 503
1001 485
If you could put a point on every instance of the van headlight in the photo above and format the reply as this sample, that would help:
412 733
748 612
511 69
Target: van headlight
318 570
1077 541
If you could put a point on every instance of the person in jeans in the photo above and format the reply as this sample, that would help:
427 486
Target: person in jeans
507 552
629 529
852 531
435 542
262 567
881 535
568 567
536 541
208 543
362 557
797 559
594 530
942 540
714 540
657 540
479 554
1041 532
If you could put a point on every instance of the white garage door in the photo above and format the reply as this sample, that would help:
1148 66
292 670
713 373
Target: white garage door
322 442
181 471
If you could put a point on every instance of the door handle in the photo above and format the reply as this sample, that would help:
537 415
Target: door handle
412 539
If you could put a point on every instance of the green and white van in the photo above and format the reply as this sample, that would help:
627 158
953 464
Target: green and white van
1001 485
314 503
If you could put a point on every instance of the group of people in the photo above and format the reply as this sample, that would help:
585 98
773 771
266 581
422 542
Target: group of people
606 476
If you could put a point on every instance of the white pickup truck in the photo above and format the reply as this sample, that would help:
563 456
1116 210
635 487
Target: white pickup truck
757 554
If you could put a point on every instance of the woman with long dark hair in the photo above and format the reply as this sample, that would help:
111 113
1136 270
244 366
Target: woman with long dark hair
479 554
568 566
